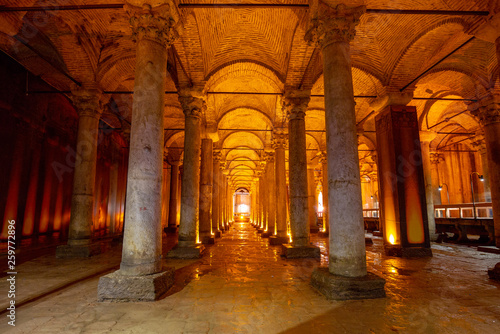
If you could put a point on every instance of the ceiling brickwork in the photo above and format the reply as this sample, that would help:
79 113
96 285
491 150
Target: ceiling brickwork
262 50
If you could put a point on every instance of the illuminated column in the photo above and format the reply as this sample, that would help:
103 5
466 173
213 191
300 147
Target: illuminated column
402 185
435 158
229 202
480 146
425 140
188 244
206 179
489 117
262 192
279 144
333 29
140 276
255 202
216 226
172 205
324 164
225 172
271 194
311 199
295 103
87 103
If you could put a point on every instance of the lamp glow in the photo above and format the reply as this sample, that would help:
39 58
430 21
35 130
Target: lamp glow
391 239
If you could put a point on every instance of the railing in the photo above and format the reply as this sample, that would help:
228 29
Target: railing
371 213
464 211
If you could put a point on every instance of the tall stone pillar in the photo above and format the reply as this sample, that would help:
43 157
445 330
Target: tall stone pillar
88 105
480 146
262 198
324 165
489 116
435 158
206 180
311 199
216 222
229 202
188 246
332 29
425 140
295 103
279 145
140 276
271 194
172 205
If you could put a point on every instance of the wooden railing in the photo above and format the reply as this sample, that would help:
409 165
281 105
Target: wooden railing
464 211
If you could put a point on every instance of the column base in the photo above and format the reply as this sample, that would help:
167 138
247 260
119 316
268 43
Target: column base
398 251
170 229
345 288
121 288
314 230
378 233
489 249
194 252
259 230
298 252
494 273
324 234
218 234
368 241
266 234
208 240
79 251
278 241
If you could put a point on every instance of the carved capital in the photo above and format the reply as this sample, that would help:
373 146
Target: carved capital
217 155
295 103
269 156
489 111
280 141
333 25
436 158
192 106
479 143
88 100
156 24
322 157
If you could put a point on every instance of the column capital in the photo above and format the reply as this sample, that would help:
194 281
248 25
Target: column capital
217 154
222 165
295 103
427 136
332 25
436 158
478 143
269 156
192 103
322 157
88 100
156 24
279 140
488 110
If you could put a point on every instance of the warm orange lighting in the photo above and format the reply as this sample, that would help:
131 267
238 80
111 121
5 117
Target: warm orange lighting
391 239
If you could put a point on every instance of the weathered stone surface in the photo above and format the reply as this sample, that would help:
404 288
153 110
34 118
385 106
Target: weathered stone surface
68 252
122 288
407 252
296 252
494 273
276 241
344 288
186 252
208 240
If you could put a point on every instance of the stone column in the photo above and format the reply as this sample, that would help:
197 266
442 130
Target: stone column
271 194
324 165
188 245
88 105
206 179
172 205
311 199
489 117
480 146
435 158
332 29
216 223
262 193
279 145
140 276
224 174
425 140
295 103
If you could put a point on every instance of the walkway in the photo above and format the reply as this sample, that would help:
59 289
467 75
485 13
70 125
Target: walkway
242 285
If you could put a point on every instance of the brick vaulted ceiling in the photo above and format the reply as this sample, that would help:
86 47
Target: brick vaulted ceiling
262 50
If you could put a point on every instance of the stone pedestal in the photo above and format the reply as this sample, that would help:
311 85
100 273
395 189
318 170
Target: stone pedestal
186 252
87 103
343 288
121 288
278 241
298 252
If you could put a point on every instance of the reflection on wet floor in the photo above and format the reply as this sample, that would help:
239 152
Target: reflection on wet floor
242 285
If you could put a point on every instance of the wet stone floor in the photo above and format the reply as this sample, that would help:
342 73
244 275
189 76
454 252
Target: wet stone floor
242 285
